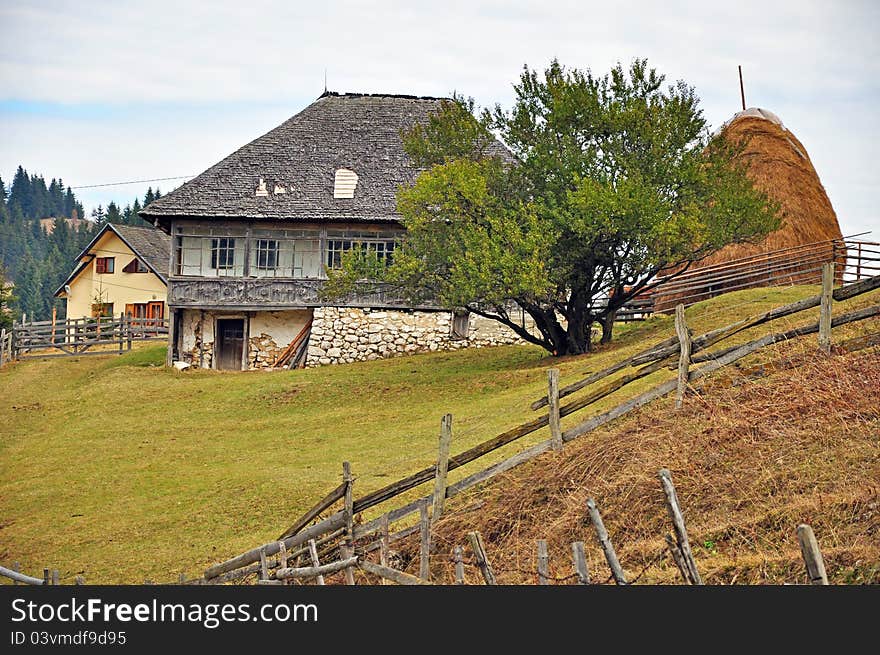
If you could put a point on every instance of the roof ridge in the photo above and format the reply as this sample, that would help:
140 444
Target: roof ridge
354 94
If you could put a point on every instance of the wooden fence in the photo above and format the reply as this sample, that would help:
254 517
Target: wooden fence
78 336
340 537
854 261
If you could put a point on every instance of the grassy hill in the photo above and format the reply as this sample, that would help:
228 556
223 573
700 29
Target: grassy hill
118 469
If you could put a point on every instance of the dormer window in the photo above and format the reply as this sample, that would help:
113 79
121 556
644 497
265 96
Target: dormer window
344 183
135 266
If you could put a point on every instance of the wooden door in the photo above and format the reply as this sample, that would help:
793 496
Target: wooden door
229 343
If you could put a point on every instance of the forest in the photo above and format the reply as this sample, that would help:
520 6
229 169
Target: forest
42 230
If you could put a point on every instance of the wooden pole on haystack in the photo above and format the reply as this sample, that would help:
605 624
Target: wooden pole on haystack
742 92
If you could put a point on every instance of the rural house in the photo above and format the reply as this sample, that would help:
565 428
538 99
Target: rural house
254 235
123 269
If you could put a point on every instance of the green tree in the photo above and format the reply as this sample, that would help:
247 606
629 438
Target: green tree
7 300
611 180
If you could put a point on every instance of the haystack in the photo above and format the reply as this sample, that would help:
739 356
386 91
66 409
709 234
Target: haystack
780 166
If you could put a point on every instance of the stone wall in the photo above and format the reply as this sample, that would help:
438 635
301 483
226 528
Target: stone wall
342 335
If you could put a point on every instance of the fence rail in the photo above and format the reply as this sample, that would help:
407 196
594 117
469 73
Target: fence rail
341 533
854 260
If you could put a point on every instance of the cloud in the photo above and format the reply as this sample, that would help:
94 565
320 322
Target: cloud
216 72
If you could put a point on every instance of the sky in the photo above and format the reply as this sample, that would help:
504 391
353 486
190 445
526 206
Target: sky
102 92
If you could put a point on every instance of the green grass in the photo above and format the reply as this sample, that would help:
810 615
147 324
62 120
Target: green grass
119 469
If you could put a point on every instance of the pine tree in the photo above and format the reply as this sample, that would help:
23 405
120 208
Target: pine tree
70 204
98 215
20 192
113 215
149 197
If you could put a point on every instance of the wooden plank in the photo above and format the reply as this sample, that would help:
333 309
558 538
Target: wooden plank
553 395
329 524
420 477
579 557
348 481
595 377
347 553
856 289
716 360
14 575
313 513
684 358
543 563
458 559
283 557
390 574
605 542
458 487
264 565
442 466
812 555
476 541
313 553
678 559
677 517
384 548
425 542
318 571
825 307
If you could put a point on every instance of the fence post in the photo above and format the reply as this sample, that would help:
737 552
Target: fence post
313 553
2 344
580 562
55 577
442 466
605 542
80 580
457 557
680 530
812 555
684 358
264 565
678 559
46 579
128 330
349 504
543 563
825 307
384 547
121 336
425 550
345 553
553 403
476 541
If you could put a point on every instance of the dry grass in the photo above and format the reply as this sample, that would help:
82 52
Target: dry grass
780 166
750 462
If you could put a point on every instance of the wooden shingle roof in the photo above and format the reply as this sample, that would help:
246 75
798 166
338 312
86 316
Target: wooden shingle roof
150 245
288 173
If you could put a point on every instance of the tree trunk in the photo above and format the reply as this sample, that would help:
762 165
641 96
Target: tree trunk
608 326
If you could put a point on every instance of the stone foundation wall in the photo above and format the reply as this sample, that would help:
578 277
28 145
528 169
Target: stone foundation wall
342 335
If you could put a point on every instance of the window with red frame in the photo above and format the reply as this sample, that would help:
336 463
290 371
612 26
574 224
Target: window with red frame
105 264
